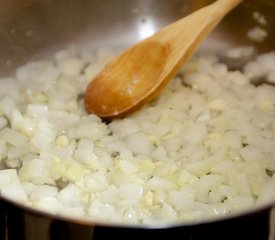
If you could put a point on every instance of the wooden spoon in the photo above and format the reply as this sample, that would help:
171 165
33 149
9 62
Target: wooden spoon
139 74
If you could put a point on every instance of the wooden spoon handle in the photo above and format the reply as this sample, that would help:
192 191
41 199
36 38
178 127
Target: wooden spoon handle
184 36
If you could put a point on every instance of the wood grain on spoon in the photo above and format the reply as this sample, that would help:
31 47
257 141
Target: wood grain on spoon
140 73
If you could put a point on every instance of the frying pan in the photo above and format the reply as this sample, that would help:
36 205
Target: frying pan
35 29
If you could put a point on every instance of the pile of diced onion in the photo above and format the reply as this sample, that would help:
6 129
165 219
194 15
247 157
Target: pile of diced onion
205 148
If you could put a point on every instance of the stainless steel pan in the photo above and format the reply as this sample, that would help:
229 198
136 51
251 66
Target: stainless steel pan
32 29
